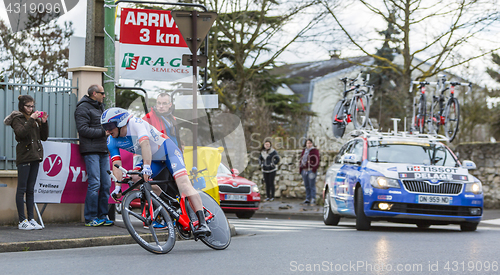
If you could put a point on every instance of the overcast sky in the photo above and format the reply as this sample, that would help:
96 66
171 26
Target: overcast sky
296 54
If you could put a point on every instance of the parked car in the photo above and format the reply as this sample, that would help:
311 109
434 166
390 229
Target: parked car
237 194
402 178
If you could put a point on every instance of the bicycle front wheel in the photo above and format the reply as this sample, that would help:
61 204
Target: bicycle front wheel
360 111
338 119
218 224
451 118
158 237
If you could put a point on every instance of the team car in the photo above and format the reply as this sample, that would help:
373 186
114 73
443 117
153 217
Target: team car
237 194
402 178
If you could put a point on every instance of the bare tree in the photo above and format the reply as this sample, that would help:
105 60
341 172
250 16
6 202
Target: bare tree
247 38
39 53
433 36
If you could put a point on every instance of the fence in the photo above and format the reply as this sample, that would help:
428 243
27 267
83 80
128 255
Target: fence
56 99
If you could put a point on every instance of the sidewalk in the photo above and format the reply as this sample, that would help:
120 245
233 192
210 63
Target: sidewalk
74 235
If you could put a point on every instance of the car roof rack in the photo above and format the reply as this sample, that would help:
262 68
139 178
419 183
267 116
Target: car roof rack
398 135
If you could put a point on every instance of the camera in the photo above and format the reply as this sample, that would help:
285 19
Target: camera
41 114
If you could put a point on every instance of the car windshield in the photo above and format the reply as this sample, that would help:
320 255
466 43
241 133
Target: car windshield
414 153
223 170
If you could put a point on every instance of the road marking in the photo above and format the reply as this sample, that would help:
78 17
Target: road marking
275 225
494 221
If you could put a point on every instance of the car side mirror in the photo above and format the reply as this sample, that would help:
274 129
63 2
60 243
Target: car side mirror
235 171
469 165
351 158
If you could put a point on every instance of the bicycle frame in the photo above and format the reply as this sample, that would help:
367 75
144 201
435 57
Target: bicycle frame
183 218
418 118
344 98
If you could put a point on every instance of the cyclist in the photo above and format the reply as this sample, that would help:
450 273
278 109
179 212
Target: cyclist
158 152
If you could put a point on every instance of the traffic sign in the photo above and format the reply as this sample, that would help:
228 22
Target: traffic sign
204 21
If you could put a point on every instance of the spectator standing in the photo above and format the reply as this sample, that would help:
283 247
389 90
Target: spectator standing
94 149
309 164
162 119
30 128
268 161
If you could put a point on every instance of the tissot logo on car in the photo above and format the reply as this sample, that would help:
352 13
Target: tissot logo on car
431 169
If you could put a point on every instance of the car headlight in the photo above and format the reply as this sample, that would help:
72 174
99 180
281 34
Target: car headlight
255 189
383 182
475 187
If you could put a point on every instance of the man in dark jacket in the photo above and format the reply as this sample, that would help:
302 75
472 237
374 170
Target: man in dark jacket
94 149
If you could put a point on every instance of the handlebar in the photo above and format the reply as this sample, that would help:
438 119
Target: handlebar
454 83
421 84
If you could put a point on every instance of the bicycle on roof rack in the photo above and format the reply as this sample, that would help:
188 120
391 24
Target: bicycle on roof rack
153 226
419 106
441 114
355 109
446 115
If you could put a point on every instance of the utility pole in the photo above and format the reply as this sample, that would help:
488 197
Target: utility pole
109 52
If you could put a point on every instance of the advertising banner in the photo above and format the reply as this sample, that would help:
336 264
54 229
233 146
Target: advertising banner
62 177
151 47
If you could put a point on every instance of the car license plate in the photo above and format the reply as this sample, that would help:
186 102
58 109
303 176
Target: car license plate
236 197
434 199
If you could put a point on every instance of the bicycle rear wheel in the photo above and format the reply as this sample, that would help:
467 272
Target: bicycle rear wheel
420 117
158 238
451 118
221 234
434 119
360 111
338 119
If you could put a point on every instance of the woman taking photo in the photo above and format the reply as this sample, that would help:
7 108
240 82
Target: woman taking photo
268 161
30 128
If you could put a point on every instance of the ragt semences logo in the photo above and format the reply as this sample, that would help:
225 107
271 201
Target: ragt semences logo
158 64
130 61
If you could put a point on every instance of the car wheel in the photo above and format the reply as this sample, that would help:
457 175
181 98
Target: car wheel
423 225
362 221
328 217
469 226
245 215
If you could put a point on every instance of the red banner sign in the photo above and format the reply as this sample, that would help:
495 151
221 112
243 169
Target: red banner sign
149 27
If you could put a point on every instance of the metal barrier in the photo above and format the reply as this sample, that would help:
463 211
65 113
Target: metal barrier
55 98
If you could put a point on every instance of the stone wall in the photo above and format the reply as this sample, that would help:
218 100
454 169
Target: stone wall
288 182
487 159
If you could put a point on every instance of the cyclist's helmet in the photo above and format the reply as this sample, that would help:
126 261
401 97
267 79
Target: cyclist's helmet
114 117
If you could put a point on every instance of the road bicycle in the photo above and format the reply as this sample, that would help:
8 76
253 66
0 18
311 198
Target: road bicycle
419 106
355 109
154 223
446 115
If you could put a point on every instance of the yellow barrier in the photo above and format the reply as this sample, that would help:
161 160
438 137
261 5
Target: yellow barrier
208 158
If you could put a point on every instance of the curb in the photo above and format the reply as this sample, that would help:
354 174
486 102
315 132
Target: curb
78 242
65 243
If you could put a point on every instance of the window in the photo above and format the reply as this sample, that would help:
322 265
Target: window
344 150
424 154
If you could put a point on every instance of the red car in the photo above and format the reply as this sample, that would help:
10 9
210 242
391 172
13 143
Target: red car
237 195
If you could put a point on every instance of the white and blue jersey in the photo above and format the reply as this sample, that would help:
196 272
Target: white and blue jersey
164 151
